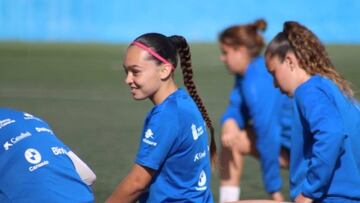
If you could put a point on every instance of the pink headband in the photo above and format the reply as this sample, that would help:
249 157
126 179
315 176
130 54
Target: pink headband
153 53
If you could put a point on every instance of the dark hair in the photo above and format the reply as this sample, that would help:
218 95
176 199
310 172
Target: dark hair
247 35
168 48
310 52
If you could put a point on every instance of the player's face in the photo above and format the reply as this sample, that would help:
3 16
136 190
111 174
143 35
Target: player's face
282 74
142 74
236 59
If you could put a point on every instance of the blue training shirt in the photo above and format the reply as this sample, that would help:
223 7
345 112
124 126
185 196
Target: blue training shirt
325 155
236 108
174 143
255 100
34 166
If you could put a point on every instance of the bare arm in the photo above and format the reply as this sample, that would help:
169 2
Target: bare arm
131 187
302 199
229 133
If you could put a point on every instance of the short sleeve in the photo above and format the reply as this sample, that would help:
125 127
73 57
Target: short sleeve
159 134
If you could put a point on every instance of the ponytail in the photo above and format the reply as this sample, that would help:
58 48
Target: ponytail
185 63
310 52
164 50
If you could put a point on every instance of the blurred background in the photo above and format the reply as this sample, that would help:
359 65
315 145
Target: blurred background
121 21
62 60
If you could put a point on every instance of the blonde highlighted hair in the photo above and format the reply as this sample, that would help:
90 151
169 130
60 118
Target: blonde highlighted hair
310 52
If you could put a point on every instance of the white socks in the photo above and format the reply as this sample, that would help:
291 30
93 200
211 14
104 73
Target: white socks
229 194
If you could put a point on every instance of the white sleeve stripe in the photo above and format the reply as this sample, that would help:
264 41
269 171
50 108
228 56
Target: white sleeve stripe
84 171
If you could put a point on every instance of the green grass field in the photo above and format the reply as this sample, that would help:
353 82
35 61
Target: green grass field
80 91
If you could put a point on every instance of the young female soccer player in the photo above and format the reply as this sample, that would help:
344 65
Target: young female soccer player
173 161
35 166
257 105
325 155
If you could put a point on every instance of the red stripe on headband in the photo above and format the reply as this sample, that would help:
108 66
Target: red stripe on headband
152 52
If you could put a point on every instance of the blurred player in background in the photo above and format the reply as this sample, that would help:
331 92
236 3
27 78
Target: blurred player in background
35 166
258 118
173 160
325 155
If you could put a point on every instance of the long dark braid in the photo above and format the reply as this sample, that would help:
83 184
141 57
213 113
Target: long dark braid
185 63
168 47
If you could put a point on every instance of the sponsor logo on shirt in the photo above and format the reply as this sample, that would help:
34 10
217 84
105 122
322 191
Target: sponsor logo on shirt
199 156
149 135
7 145
39 129
28 116
15 140
196 131
33 156
58 150
202 182
6 122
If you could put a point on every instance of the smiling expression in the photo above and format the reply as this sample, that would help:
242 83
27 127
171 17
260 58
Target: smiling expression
142 74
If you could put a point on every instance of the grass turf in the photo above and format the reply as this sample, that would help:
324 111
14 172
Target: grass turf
79 90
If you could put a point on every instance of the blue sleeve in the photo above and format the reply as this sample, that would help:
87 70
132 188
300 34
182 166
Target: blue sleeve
326 127
157 139
261 98
235 109
286 120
